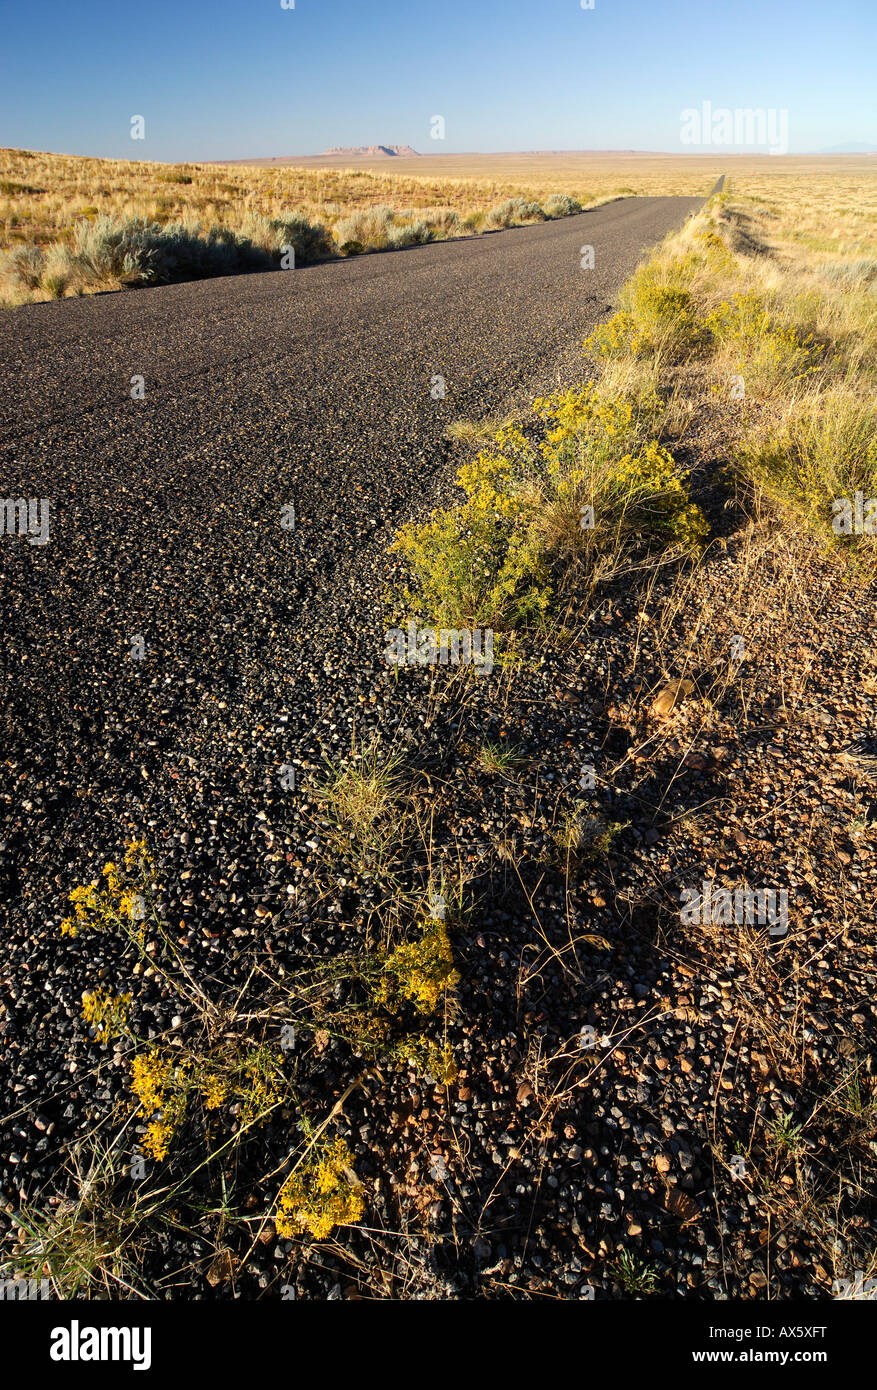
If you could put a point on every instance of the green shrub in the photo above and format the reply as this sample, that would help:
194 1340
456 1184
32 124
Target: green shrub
410 234
112 251
767 353
560 205
10 189
136 252
853 273
826 451
513 212
445 222
173 175
497 559
310 240
657 317
368 229
380 228
59 272
22 267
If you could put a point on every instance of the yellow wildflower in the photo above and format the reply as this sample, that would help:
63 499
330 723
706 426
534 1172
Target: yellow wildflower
422 972
322 1193
107 1013
214 1091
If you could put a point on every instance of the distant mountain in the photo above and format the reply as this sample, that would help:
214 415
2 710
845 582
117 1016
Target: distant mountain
372 151
851 147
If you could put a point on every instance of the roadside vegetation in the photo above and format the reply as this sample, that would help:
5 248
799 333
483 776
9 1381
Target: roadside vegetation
562 508
587 483
221 1089
657 545
72 226
723 431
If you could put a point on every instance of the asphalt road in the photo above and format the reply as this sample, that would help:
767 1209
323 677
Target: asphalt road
310 387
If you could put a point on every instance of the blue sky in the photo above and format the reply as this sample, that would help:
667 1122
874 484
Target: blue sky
238 78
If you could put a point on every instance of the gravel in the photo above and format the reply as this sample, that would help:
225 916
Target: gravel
544 1161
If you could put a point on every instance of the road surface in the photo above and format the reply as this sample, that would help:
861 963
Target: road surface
172 643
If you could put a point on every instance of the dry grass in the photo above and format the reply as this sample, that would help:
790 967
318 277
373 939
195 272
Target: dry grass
821 208
47 199
804 250
48 202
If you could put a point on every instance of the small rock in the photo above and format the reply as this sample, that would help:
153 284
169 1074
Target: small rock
673 694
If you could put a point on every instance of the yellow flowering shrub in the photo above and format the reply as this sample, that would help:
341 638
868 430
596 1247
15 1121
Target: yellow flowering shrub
214 1091
160 1086
598 454
137 855
766 353
657 314
429 1058
419 972
320 1194
496 559
107 1013
122 902
476 564
651 486
490 481
582 412
617 337
257 1082
165 1086
369 999
715 250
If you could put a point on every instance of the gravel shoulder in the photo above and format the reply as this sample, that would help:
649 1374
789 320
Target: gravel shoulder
264 647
